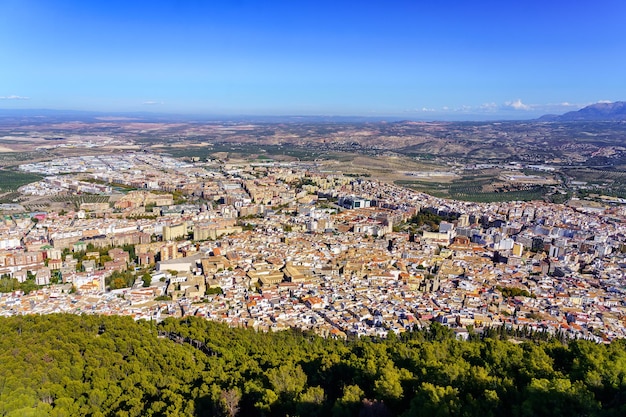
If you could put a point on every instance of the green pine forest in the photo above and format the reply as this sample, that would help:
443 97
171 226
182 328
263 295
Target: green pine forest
69 365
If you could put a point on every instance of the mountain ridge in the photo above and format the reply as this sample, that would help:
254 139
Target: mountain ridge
614 111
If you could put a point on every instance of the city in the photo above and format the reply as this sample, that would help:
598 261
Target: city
276 245
312 209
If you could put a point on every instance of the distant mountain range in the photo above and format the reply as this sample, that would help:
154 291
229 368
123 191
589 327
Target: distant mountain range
593 113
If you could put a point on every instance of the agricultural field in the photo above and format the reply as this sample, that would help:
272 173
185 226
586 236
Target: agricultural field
595 176
77 200
10 197
480 188
11 180
239 151
16 158
601 181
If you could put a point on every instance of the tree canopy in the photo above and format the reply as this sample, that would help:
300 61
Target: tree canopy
69 365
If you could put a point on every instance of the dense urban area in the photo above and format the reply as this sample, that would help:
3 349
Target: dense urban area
273 245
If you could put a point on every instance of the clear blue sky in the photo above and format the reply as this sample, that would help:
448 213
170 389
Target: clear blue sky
415 59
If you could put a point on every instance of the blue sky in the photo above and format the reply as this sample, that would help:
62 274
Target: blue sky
427 59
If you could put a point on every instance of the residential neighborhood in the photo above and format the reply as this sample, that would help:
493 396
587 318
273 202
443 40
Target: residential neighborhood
276 245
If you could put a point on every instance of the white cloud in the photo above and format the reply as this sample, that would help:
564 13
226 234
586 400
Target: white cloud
516 105
489 106
419 110
604 102
14 97
463 108
151 103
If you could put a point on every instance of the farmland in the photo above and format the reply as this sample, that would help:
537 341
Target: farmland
11 180
464 160
77 200
479 188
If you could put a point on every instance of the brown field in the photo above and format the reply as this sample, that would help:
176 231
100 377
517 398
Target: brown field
384 168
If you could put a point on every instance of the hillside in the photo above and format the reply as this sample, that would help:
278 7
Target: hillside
68 365
593 113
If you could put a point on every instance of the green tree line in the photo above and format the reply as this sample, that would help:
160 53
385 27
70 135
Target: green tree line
69 365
